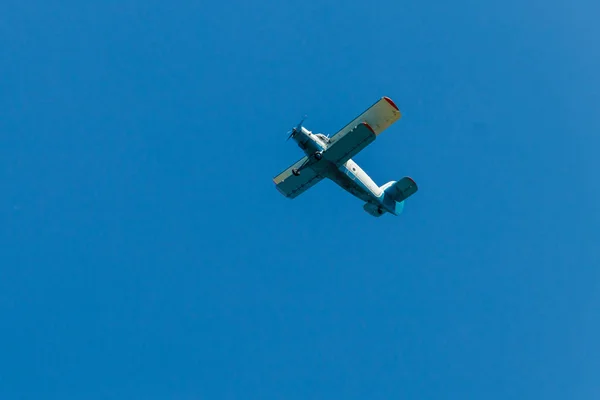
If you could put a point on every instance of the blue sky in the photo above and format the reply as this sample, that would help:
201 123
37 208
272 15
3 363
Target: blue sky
145 253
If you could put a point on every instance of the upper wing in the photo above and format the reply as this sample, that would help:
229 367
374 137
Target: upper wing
362 130
291 185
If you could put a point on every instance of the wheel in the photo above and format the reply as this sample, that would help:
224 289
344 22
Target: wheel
295 172
318 155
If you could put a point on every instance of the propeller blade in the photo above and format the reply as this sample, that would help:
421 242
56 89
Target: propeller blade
296 129
291 134
299 127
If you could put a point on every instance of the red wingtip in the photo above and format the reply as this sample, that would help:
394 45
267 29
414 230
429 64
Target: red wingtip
369 126
391 102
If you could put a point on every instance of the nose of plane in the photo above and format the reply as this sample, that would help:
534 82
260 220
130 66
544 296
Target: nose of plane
298 129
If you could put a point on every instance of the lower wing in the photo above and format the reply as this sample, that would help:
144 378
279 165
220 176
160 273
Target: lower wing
291 185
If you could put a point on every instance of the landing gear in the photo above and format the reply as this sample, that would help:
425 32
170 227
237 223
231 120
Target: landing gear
318 156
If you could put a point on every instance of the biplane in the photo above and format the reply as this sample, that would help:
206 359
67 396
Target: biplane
331 157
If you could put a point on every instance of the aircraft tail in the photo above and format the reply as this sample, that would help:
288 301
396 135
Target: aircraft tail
395 192
400 190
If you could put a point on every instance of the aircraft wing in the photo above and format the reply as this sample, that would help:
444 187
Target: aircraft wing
361 131
291 185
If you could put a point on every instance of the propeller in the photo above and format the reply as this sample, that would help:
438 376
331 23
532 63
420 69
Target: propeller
296 129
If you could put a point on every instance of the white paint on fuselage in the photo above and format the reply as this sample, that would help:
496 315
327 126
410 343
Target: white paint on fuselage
360 175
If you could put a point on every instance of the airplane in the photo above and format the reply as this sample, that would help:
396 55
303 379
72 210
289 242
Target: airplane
331 157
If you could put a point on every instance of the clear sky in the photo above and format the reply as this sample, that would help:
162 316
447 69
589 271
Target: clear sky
145 252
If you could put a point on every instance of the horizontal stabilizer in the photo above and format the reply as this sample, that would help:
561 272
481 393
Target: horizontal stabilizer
374 210
402 189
